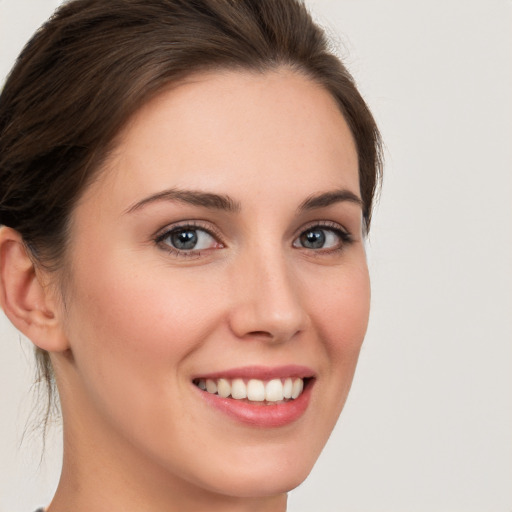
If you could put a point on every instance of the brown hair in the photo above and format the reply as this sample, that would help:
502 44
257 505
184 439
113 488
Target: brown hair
95 62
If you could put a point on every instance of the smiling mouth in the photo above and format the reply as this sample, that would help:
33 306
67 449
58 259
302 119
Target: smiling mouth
255 391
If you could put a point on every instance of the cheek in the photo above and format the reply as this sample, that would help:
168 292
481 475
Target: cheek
128 328
342 310
128 299
341 315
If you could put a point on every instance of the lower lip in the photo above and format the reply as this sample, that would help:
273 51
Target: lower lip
266 416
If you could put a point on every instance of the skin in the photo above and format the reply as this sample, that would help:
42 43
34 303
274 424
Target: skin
139 320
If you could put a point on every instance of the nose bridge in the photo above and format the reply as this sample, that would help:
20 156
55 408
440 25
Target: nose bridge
268 301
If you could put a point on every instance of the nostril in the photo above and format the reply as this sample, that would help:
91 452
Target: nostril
261 334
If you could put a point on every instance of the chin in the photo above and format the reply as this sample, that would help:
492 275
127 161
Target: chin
261 478
262 486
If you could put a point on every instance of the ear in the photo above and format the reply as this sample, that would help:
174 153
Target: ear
26 299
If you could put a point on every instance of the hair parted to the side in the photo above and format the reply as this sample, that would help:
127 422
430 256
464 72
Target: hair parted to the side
95 62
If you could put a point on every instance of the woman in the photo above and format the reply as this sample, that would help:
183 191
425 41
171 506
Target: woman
186 188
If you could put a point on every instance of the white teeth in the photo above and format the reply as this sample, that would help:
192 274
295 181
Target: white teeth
238 389
256 390
211 386
223 388
273 391
287 388
298 386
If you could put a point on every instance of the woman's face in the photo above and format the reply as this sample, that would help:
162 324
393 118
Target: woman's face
221 246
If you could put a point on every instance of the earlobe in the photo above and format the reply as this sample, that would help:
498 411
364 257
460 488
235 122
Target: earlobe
25 299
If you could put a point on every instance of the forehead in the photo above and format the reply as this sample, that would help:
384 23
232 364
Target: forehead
220 129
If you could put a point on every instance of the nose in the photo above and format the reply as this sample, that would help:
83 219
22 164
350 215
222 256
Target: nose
267 302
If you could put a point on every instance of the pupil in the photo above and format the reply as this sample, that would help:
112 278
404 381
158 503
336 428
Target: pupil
185 239
313 239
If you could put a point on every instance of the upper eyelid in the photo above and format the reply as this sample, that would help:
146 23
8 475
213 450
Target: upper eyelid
324 224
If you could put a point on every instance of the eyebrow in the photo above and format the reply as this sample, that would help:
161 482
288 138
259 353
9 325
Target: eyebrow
328 198
193 197
226 203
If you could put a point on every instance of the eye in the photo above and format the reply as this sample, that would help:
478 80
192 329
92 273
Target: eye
322 237
186 239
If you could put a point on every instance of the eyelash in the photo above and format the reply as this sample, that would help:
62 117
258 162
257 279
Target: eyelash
345 238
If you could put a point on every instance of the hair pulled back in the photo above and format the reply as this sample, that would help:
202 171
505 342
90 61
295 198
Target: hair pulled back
95 62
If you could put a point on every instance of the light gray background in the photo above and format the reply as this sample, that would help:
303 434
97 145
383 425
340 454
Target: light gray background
428 425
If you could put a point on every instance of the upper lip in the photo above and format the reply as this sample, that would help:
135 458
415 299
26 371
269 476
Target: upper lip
260 372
